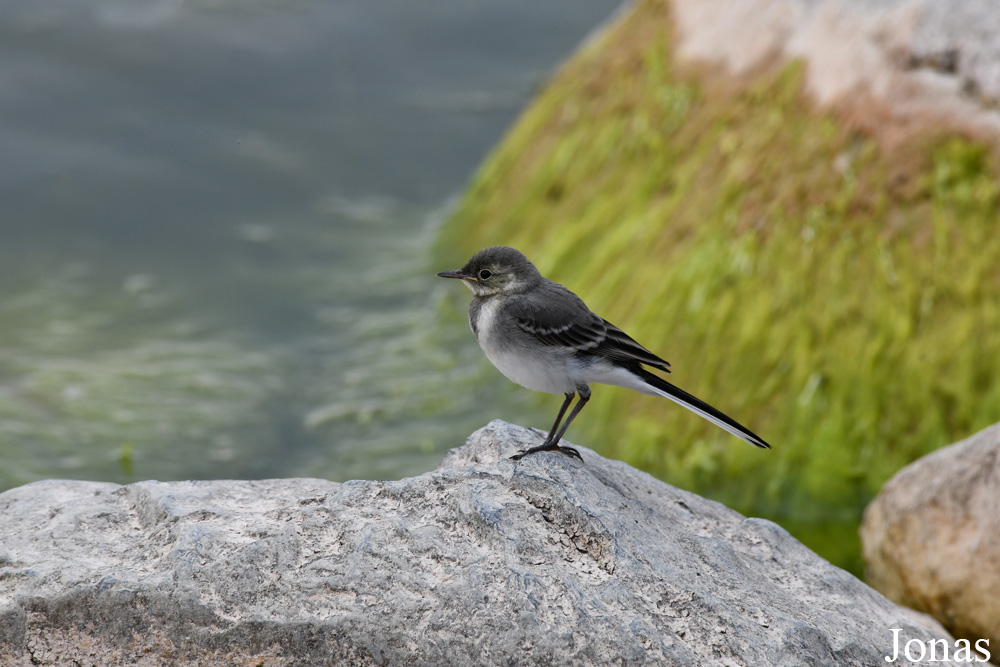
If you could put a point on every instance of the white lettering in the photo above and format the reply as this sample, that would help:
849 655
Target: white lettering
964 652
983 650
916 650
895 644
944 647
923 650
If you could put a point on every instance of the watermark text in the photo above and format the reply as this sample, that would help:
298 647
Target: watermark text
938 650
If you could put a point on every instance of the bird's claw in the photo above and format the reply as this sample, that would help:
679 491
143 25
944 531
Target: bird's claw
548 447
570 452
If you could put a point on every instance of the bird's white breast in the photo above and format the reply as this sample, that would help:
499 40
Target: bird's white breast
547 370
485 320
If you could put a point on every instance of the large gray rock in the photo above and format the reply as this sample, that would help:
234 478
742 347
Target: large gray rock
483 561
931 537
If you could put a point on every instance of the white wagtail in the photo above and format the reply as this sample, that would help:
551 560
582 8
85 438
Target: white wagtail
543 337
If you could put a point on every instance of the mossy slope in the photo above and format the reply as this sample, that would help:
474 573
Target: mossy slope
841 299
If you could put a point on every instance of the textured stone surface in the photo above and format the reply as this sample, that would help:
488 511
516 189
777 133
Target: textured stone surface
931 538
921 61
484 560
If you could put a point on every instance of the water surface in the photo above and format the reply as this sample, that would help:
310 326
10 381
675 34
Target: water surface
215 220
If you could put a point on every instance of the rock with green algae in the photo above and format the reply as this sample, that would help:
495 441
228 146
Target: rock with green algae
827 273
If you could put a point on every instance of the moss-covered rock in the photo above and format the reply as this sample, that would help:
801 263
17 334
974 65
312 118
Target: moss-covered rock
839 297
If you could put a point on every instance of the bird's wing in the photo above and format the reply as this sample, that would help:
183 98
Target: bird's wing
619 346
557 317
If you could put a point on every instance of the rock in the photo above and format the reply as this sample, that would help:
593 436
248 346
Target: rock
915 61
484 560
931 538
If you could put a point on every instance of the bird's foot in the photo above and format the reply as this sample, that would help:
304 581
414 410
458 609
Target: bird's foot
548 447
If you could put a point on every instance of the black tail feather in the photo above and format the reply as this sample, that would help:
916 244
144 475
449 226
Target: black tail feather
700 407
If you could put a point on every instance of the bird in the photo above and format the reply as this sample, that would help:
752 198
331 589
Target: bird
542 336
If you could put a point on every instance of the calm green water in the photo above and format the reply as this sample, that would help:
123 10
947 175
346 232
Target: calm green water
215 223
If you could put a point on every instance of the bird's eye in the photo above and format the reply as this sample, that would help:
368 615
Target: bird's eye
484 274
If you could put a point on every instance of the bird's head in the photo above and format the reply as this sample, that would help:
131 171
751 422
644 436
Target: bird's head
496 270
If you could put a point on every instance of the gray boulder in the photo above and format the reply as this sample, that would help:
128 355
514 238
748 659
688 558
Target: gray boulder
931 537
482 561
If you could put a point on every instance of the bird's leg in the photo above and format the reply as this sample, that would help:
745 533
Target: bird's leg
552 442
569 451
562 411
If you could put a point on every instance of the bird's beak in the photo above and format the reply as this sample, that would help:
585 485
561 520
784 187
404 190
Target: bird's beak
457 273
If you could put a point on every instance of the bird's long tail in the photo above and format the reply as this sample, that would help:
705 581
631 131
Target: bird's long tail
699 407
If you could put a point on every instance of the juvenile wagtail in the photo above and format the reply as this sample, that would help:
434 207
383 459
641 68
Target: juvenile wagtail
543 337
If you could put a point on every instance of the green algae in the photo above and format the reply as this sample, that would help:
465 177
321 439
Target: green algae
108 382
839 297
118 368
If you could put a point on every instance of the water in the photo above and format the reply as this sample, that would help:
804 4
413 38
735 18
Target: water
215 222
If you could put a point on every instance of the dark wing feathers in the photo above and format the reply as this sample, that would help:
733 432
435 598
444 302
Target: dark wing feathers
582 334
619 346
555 316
